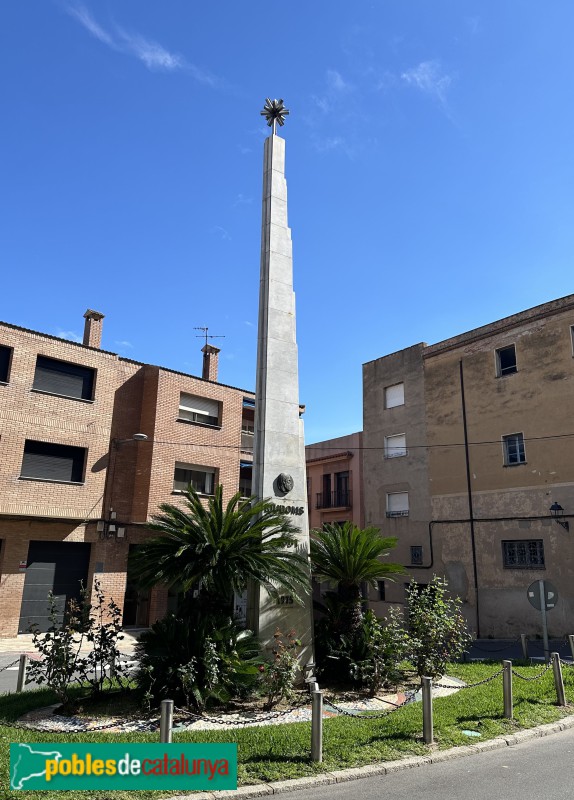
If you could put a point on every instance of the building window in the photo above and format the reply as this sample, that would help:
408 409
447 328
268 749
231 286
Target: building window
202 479
199 410
416 555
246 478
572 338
5 360
513 448
395 395
63 379
398 504
506 360
381 587
342 492
396 445
523 554
44 461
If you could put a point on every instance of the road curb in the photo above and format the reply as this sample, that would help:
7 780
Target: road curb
386 767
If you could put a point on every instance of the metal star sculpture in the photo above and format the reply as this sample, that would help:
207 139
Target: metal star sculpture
274 112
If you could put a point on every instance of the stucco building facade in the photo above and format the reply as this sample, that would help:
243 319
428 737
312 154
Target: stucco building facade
468 445
76 487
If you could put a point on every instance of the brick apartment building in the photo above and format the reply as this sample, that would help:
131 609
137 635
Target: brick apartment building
469 460
90 444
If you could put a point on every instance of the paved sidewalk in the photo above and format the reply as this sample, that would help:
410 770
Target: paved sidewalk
23 643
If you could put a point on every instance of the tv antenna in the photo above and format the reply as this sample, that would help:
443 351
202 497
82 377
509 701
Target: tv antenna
205 334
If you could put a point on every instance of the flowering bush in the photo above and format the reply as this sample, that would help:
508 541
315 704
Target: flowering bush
277 677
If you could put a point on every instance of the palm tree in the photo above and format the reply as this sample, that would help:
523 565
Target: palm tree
218 549
348 556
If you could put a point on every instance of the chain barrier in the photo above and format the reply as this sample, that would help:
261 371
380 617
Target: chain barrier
469 685
151 724
13 664
370 715
221 721
534 677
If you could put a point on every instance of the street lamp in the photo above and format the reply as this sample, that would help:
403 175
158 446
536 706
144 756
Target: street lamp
557 511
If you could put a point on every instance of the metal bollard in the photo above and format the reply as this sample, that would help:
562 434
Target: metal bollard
507 688
524 642
317 727
166 721
571 641
558 682
22 668
427 711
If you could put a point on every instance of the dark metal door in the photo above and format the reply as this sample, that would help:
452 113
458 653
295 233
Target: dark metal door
57 567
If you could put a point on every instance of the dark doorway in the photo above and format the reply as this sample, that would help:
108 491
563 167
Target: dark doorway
57 567
136 602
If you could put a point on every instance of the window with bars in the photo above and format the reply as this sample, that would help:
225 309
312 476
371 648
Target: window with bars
523 554
202 479
416 555
5 360
513 449
381 588
45 461
64 379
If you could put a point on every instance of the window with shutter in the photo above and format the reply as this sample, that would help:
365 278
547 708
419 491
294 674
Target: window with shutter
45 461
5 359
201 410
395 395
398 504
64 379
396 445
202 479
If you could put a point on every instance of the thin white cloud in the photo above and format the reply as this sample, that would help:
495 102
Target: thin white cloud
249 324
221 232
124 344
243 200
336 82
430 79
71 335
154 55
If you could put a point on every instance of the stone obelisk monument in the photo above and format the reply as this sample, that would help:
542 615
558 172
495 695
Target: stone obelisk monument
279 455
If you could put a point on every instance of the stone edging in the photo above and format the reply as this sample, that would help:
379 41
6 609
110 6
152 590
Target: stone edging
385 767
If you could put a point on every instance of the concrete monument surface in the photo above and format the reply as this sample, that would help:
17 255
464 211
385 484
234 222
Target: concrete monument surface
279 455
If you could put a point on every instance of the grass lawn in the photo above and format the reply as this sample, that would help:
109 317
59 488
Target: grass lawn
278 752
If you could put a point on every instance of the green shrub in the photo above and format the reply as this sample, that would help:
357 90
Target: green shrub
197 661
436 629
62 662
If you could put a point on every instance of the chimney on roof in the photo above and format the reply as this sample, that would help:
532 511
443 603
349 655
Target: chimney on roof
210 360
93 328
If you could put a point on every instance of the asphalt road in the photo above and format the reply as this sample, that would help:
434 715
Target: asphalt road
536 769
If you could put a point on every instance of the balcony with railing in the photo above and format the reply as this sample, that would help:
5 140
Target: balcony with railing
340 498
247 437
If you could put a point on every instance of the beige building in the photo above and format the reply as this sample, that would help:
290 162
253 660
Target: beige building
90 444
468 445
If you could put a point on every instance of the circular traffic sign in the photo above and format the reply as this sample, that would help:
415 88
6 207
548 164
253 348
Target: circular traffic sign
549 592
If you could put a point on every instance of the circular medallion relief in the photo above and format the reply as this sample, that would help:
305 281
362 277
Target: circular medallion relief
285 482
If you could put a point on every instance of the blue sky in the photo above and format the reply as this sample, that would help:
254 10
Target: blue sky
429 166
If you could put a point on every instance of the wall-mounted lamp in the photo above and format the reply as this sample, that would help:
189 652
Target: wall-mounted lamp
557 511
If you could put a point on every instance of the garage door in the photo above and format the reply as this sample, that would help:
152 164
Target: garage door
58 567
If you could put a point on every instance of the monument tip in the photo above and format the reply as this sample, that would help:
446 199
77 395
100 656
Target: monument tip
274 112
